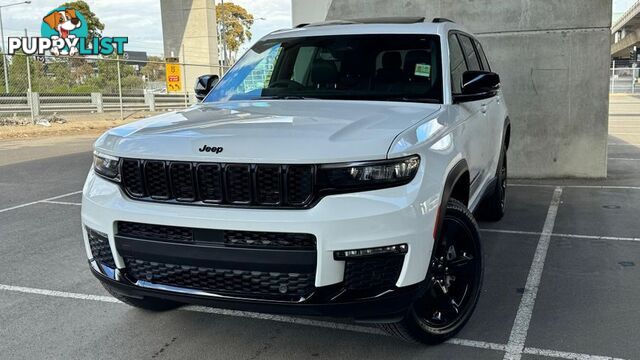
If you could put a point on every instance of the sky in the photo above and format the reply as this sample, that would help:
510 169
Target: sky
620 6
140 19
125 18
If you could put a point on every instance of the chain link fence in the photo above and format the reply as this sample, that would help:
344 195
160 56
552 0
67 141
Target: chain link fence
34 87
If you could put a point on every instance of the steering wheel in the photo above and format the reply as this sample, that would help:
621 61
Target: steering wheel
286 84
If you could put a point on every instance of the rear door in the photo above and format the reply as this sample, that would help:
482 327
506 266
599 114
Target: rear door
463 58
495 114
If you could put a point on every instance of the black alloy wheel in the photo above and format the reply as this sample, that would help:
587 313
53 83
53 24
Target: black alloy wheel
453 283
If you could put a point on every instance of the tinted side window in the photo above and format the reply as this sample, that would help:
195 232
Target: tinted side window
483 57
469 53
458 65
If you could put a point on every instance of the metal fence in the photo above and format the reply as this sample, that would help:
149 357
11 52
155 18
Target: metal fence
40 86
624 80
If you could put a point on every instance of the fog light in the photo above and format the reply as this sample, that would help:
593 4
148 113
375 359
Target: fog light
362 253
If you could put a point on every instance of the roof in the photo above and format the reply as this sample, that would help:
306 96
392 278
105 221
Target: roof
386 25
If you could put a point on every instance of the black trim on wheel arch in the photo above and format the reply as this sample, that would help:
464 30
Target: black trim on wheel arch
452 179
506 129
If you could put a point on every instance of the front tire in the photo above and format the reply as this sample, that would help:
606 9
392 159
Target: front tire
454 282
146 303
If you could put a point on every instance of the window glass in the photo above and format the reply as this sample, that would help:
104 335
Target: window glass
469 53
483 57
303 63
458 65
260 74
384 67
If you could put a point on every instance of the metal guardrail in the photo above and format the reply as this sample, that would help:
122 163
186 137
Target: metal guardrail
38 86
42 104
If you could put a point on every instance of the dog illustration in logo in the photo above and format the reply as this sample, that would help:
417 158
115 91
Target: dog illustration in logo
63 22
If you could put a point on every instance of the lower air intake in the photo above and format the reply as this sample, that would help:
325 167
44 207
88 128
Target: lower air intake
239 283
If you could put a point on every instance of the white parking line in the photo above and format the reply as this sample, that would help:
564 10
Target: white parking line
478 344
518 335
624 159
303 321
60 202
595 237
601 187
517 232
574 236
61 294
566 355
39 201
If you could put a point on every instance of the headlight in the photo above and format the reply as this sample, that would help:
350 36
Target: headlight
106 166
368 175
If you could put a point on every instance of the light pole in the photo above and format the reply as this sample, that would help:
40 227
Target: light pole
4 56
223 36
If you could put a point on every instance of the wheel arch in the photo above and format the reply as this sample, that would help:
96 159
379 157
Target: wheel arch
506 137
456 186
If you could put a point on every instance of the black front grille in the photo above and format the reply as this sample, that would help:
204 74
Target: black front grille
375 273
100 249
232 238
243 283
155 175
259 185
155 232
269 240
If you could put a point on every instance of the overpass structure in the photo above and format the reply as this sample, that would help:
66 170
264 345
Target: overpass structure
625 33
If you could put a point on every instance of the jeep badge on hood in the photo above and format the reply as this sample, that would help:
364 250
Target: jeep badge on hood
212 149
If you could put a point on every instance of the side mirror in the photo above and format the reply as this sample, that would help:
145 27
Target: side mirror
204 84
478 85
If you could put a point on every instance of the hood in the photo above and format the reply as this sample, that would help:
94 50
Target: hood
274 131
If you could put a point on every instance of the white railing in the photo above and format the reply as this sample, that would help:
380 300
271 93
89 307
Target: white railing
624 80
42 104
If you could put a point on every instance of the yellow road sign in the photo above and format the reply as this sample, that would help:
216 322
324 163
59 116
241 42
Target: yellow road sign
174 78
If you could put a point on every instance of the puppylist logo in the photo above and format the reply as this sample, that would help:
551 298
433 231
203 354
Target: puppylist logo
65 32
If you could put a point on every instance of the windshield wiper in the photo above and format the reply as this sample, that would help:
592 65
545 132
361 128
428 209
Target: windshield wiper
284 97
416 100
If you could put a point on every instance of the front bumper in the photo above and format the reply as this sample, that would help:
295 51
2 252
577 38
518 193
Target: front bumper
388 307
402 215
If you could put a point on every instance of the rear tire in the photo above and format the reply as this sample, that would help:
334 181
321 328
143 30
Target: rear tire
494 205
146 303
454 282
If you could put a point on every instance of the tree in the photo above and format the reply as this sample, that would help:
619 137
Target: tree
94 25
235 21
154 70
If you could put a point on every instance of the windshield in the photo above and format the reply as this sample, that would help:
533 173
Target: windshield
398 67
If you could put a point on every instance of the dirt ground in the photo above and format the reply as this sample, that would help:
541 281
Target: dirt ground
76 124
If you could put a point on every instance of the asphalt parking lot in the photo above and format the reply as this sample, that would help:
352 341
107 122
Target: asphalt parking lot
562 278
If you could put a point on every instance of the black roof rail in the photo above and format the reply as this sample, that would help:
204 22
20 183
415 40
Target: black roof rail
442 20
379 20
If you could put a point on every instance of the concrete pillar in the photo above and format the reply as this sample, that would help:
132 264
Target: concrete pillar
33 100
190 33
150 100
96 100
553 57
309 11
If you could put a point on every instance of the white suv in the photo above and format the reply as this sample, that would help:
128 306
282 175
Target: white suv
332 171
